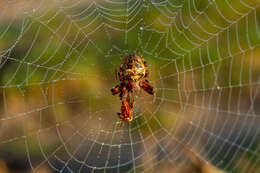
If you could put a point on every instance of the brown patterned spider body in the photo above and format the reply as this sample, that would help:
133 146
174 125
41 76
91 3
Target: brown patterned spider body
133 76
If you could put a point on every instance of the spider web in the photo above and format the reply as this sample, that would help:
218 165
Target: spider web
58 60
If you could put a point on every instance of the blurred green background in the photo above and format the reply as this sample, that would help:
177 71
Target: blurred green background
58 63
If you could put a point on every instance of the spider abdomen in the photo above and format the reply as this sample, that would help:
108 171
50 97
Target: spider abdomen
132 68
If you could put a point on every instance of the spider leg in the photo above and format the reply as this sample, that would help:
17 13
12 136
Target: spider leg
120 117
116 90
146 86
123 60
146 68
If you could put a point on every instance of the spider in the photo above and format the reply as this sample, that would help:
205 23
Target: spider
132 76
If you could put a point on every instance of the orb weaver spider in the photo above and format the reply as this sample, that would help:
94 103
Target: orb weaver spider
133 75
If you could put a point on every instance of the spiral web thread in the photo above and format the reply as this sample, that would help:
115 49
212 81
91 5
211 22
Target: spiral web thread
203 62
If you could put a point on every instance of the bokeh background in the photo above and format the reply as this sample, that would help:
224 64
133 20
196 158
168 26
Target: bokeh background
57 66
